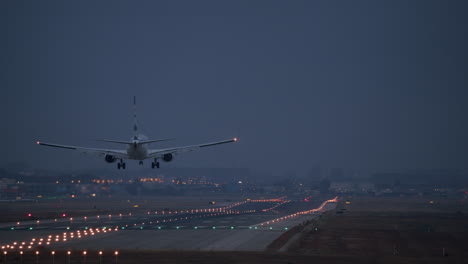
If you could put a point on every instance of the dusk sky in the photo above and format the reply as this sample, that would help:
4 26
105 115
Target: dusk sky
362 85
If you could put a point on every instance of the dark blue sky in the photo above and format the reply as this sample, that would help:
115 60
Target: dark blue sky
365 85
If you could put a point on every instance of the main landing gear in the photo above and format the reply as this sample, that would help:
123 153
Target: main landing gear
121 165
155 164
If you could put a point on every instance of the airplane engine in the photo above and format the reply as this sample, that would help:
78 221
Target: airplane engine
110 158
168 157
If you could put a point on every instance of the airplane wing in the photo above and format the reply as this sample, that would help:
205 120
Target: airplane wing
117 153
160 152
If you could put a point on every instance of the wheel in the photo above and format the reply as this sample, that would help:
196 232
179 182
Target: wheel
123 166
118 166
152 165
157 165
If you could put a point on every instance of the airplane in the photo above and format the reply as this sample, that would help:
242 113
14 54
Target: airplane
137 148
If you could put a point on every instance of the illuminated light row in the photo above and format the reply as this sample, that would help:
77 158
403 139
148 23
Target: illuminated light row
218 209
184 218
57 238
214 211
53 252
92 231
280 199
271 208
334 200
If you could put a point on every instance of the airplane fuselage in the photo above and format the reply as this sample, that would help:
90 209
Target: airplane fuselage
137 151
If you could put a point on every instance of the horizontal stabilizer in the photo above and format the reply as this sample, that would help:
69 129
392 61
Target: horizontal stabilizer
156 140
129 142
115 141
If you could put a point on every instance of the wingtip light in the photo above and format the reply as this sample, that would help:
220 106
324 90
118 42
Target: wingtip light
37 142
235 139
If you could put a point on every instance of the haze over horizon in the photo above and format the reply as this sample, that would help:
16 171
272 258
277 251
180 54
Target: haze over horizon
362 85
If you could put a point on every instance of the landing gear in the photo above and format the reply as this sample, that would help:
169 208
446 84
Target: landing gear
141 162
121 165
155 164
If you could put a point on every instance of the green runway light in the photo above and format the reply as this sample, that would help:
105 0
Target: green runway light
123 227
159 227
12 228
104 227
86 228
214 227
316 229
195 227
141 228
177 227
271 228
68 228
256 227
285 228
232 227
30 228
250 227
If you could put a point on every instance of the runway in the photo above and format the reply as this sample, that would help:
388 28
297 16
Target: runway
246 226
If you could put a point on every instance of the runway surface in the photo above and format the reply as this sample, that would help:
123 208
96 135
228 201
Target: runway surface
246 226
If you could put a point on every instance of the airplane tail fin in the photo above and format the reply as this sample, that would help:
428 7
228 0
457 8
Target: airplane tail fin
135 123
